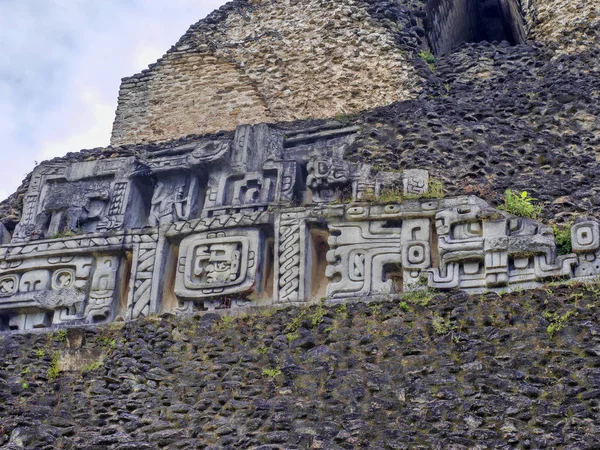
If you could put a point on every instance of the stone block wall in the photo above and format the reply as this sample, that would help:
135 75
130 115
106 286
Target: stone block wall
266 61
570 26
190 91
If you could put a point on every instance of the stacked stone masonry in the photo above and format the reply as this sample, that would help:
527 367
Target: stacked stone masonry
258 61
266 61
570 26
268 217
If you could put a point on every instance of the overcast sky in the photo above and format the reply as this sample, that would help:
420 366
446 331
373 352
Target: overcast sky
61 62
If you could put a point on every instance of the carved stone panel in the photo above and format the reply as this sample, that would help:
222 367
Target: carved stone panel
585 237
415 181
175 198
218 264
361 256
416 249
58 289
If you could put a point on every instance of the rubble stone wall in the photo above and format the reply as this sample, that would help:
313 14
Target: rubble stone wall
266 61
570 26
488 372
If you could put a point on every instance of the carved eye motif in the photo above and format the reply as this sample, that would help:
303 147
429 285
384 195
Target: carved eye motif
63 279
8 285
356 211
391 209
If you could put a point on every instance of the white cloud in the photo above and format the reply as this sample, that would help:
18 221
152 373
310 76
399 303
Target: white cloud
61 66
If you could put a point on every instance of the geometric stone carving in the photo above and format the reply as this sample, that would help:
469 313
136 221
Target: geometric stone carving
267 216
217 264
361 254
173 200
415 181
416 249
61 288
102 289
585 237
291 258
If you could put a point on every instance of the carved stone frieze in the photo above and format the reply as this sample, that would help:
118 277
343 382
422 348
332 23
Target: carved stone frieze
264 217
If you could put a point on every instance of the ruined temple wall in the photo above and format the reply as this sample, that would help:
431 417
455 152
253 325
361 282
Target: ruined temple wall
266 61
570 26
190 91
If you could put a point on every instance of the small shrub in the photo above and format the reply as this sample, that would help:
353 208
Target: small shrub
226 322
295 323
40 353
341 309
390 195
557 322
427 57
420 293
435 189
262 350
92 366
271 373
317 316
562 238
107 342
60 336
54 370
291 337
442 326
343 117
404 307
521 205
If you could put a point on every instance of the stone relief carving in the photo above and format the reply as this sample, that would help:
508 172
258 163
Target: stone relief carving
173 200
267 216
218 264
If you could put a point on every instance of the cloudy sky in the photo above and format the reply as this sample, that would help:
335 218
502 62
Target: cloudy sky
60 68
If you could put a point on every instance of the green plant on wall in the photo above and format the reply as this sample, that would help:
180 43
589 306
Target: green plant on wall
428 58
271 373
435 189
562 238
557 322
521 204
54 368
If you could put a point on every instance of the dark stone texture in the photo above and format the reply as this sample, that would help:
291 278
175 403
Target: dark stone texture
378 375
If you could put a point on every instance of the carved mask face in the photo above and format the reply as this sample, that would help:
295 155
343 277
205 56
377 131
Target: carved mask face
217 262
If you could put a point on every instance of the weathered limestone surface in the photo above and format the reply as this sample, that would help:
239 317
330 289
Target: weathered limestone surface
263 60
570 26
290 213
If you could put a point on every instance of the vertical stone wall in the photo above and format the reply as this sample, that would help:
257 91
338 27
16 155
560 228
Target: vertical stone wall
451 22
258 61
189 92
